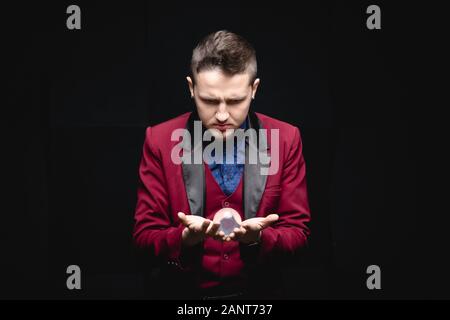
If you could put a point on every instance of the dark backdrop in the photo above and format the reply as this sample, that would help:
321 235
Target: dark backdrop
80 102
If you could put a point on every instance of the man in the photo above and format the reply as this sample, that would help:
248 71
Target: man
176 220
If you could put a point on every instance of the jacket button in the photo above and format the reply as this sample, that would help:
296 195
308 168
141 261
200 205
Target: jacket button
226 204
225 256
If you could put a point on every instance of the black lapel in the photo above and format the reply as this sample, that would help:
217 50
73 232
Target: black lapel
194 174
254 181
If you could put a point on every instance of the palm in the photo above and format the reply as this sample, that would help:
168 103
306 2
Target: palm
254 224
194 223
195 228
250 229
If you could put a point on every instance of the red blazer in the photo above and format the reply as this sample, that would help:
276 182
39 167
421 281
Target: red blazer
166 188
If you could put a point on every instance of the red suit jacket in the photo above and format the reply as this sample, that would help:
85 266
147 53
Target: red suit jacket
165 188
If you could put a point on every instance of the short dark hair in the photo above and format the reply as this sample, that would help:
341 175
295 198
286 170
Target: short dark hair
225 50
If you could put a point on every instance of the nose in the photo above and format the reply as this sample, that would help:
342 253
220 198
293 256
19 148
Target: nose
222 115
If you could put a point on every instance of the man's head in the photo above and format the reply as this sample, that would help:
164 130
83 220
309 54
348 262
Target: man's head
223 80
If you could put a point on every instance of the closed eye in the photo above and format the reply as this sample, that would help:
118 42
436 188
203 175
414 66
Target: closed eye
210 101
234 101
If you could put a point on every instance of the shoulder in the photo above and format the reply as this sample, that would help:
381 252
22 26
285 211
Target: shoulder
171 124
286 130
164 129
160 134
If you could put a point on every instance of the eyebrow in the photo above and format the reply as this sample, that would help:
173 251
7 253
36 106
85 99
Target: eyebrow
237 98
208 97
215 98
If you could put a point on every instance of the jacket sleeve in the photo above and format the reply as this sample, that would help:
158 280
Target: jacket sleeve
290 233
154 230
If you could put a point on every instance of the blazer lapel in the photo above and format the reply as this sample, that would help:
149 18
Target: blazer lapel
193 174
254 181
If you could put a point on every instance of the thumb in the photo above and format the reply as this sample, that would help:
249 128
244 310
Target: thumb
182 218
271 218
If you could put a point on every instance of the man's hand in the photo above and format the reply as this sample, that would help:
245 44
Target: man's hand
195 228
250 229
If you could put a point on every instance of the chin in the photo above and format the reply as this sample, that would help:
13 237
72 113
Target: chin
224 135
221 135
227 135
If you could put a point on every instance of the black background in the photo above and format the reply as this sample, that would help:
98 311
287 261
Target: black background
80 101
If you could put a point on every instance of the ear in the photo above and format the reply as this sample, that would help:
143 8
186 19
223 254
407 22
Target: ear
191 85
255 87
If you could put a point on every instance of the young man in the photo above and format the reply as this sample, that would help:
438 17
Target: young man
176 220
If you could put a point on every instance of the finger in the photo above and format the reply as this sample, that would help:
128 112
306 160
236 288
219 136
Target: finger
183 218
246 223
212 229
209 228
247 226
271 218
198 227
217 237
239 232
205 225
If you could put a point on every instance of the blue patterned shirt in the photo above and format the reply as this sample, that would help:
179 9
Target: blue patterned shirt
228 175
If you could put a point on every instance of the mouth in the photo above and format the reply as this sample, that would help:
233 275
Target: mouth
222 127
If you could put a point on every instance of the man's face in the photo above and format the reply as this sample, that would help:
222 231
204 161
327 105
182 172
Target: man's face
222 101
